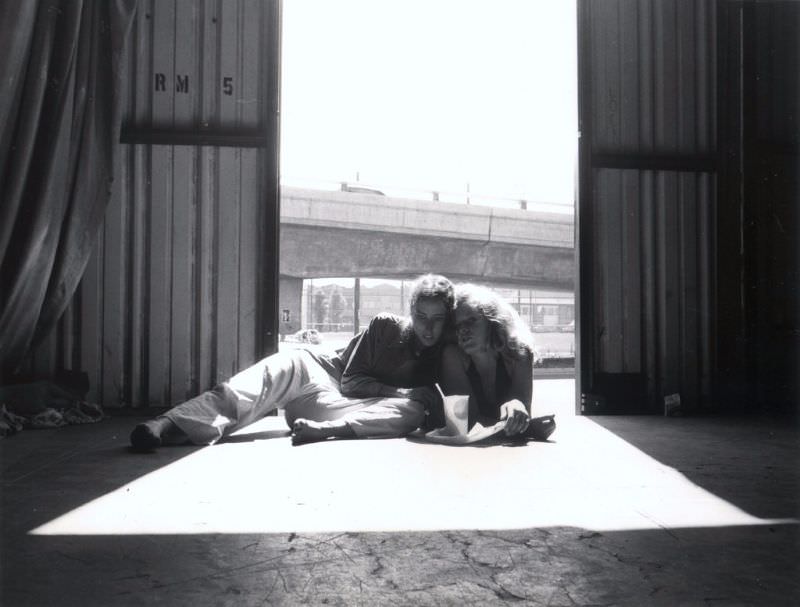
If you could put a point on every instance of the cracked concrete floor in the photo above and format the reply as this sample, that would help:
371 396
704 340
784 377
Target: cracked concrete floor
612 511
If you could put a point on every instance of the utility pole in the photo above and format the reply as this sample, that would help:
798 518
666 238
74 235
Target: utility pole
356 304
309 305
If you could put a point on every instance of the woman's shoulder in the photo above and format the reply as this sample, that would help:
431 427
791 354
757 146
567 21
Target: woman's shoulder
389 327
387 319
517 359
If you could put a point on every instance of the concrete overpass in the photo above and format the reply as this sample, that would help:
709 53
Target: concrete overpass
327 234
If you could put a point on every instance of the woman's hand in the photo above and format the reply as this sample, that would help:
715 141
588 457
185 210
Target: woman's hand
425 395
516 416
422 394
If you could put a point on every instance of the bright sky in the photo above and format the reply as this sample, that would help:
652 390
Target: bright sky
432 95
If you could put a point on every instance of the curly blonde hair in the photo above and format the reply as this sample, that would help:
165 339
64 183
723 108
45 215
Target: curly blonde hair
510 334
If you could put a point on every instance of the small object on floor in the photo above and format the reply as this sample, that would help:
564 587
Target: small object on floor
83 413
540 428
9 422
49 418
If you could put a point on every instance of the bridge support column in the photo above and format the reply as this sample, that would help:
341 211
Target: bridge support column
290 304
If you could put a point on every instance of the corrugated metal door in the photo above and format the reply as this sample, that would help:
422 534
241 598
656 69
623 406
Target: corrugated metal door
181 291
775 152
647 202
759 351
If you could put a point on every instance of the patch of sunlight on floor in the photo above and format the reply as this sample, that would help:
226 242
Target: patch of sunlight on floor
585 477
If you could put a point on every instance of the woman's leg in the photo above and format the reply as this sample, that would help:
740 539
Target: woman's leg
308 431
246 397
329 414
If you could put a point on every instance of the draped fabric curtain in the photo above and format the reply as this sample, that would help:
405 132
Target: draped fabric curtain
60 109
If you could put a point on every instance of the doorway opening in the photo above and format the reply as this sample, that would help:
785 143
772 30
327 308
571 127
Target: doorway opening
412 108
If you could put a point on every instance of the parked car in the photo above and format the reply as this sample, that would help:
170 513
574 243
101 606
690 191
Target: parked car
568 328
308 336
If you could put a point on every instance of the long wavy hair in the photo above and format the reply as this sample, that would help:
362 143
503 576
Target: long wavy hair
437 287
510 335
433 286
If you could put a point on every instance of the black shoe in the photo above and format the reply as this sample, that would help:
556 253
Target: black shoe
540 428
143 439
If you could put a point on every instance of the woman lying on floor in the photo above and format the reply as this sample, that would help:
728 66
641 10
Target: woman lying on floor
379 386
493 363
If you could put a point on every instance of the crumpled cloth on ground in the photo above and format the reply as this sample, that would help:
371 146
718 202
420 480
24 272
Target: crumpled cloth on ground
80 412
10 423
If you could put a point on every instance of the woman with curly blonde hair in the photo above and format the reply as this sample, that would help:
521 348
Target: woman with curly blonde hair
492 363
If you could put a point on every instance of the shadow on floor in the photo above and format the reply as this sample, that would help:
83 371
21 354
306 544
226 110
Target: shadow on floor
548 566
749 461
77 465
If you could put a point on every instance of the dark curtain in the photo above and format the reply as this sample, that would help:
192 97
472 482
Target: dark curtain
60 109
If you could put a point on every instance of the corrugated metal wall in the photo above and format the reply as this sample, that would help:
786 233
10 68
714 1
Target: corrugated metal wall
654 286
773 218
172 300
648 186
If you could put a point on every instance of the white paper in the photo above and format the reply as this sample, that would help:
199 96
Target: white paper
456 430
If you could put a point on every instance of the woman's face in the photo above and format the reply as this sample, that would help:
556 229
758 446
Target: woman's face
428 320
473 330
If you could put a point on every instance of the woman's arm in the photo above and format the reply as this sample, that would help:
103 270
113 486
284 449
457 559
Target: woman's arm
453 373
522 381
517 410
453 379
357 378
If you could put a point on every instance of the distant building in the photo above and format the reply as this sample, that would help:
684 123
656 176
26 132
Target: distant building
551 309
542 309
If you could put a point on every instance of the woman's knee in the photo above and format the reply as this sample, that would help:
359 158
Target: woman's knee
290 417
408 413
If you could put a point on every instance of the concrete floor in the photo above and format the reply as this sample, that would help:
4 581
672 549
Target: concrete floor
612 511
